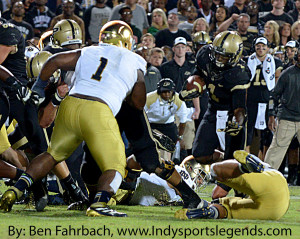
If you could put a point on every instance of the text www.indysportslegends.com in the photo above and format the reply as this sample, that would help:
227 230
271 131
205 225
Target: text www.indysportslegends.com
153 231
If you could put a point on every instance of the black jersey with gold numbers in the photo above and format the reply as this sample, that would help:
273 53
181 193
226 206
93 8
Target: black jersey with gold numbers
227 87
15 62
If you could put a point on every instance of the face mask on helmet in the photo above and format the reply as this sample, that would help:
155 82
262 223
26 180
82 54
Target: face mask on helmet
67 32
227 49
34 66
200 177
117 33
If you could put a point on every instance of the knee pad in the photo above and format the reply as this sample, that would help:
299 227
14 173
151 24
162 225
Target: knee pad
168 168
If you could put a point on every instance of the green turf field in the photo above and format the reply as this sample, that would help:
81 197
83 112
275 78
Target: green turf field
158 222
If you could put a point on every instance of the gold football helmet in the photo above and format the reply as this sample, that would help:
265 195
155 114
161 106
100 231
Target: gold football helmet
67 32
200 39
34 65
117 33
227 44
199 175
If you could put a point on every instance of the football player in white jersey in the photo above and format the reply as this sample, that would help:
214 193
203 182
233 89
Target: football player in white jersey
104 76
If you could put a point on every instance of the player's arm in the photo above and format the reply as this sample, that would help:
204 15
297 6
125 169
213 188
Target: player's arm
137 98
64 61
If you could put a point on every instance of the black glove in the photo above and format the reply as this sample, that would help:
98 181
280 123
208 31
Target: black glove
232 128
23 92
186 95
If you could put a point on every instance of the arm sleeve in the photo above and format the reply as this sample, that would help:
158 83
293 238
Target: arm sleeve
239 99
276 94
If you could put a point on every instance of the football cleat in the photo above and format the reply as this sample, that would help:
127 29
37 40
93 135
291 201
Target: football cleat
163 141
249 161
201 213
103 211
194 203
40 193
9 198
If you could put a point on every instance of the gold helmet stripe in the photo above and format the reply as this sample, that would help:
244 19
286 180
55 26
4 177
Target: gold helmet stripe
72 27
224 39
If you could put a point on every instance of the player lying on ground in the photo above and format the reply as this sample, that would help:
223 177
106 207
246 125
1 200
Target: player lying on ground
267 189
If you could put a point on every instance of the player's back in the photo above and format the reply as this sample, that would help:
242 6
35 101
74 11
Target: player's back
107 72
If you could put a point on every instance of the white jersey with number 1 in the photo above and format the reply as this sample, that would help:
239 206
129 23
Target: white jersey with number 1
107 72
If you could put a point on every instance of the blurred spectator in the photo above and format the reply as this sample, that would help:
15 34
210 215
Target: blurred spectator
68 7
187 26
78 9
285 33
200 25
126 16
148 40
168 52
159 21
206 11
94 18
158 4
156 56
144 4
290 51
139 17
8 12
295 12
277 14
167 36
221 15
181 10
264 7
152 76
18 13
243 23
39 17
272 33
238 7
256 25
217 3
296 30
279 52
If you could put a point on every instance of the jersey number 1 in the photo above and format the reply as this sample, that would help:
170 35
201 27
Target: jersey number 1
97 75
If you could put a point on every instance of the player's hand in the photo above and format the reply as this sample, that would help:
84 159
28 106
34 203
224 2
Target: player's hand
62 90
186 95
36 99
235 16
23 93
232 128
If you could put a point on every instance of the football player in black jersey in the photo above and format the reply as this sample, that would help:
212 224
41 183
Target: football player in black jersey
12 47
227 77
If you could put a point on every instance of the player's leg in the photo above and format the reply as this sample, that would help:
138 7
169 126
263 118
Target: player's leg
107 149
146 152
206 141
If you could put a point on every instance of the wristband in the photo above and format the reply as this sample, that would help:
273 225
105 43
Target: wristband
56 99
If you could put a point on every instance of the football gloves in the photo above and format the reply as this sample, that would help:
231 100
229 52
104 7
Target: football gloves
186 95
232 128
